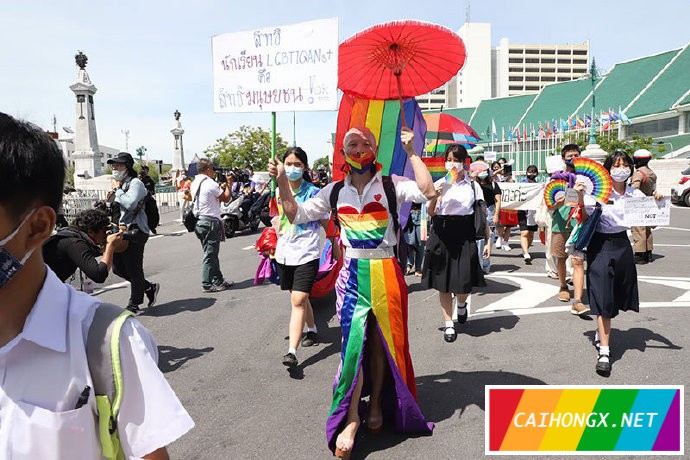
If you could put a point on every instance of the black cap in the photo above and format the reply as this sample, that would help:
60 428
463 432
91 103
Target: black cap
122 158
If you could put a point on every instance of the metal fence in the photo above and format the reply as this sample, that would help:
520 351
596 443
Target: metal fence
74 203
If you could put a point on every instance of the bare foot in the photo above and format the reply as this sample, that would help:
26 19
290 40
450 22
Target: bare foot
346 440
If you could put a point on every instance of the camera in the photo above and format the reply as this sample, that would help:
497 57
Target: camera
112 229
130 233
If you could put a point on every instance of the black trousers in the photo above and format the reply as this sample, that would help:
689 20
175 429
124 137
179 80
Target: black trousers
130 266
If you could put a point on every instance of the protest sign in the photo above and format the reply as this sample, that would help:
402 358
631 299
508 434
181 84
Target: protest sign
522 196
273 69
647 211
554 163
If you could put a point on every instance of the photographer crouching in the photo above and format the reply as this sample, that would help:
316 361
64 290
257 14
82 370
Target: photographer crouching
79 245
130 192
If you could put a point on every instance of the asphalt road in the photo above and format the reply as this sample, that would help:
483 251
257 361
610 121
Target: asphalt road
222 352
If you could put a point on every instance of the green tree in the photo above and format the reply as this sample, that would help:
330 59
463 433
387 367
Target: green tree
247 145
323 161
140 152
611 143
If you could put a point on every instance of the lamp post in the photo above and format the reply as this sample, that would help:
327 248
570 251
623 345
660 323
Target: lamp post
593 150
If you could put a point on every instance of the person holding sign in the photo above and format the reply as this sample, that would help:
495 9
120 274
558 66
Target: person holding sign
561 226
451 259
643 179
371 292
611 274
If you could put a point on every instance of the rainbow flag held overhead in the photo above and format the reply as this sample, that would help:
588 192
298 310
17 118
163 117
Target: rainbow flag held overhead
558 419
384 120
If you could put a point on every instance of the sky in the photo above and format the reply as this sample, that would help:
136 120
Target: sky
150 58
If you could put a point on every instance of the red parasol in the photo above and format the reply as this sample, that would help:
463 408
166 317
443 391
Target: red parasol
399 60
444 123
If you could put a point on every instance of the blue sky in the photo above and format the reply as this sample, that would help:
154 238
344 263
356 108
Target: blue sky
148 58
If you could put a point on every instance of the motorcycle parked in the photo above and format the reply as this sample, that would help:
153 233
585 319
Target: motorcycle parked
237 216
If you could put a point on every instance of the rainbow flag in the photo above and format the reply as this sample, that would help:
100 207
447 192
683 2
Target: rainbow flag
452 176
593 419
383 119
436 166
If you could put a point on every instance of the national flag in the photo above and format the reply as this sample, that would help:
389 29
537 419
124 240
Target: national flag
549 132
565 124
540 132
494 134
612 115
510 134
579 122
606 126
532 133
624 118
524 133
604 116
588 120
503 134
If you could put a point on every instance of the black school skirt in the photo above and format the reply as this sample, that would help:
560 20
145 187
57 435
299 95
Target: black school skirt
451 260
611 275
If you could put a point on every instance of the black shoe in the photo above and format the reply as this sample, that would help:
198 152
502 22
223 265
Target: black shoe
640 258
134 309
152 293
649 257
290 360
309 339
603 368
449 334
462 317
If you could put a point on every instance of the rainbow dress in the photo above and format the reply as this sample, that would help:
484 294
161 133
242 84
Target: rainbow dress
373 290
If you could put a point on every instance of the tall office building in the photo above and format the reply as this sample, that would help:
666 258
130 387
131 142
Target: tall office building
506 70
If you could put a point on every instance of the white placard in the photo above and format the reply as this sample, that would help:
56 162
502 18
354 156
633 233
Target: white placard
277 69
522 196
647 211
554 163
489 156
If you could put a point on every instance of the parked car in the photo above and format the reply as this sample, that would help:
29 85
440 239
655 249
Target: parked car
681 192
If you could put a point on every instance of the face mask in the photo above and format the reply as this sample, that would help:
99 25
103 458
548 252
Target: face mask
293 173
119 175
453 164
9 265
360 162
531 176
483 174
620 174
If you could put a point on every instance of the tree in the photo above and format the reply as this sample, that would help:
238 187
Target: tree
248 145
612 143
140 152
323 161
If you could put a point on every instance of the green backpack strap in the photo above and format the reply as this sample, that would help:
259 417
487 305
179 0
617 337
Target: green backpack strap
103 356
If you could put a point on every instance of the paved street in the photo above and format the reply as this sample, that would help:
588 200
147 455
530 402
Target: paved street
222 352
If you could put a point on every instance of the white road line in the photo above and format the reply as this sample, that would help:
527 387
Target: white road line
248 248
671 245
110 287
680 229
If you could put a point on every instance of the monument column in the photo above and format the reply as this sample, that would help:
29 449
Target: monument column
86 156
178 163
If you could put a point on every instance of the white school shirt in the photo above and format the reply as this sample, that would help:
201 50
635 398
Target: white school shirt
457 198
44 370
208 203
298 243
373 194
613 215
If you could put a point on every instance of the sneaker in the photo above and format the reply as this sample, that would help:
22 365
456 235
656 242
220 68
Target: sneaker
499 242
134 309
227 284
528 258
152 293
290 360
505 247
564 294
309 339
213 289
579 309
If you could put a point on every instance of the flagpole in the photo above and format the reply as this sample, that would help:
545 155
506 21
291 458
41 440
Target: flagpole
437 132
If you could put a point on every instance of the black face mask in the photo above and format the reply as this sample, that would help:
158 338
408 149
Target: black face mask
531 176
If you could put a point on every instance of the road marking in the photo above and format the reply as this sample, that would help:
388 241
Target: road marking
110 287
248 248
529 294
680 229
671 245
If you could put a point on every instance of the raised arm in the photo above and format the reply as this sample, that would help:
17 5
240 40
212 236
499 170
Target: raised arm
275 169
421 173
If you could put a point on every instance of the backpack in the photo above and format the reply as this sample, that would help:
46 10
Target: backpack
389 190
103 358
151 210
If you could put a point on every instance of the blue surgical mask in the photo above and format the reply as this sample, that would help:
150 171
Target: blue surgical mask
293 173
9 265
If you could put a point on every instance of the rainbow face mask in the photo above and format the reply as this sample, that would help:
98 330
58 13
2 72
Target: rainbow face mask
360 162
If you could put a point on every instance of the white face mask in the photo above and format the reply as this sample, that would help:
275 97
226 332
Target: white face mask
620 174
453 164
9 265
119 175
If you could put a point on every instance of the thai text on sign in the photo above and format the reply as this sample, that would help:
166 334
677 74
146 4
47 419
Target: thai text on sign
522 196
643 211
273 69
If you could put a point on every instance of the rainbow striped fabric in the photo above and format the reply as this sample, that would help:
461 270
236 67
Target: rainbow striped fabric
375 286
559 419
436 166
365 229
383 119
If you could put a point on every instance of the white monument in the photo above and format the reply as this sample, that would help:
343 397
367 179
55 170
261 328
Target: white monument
86 156
178 154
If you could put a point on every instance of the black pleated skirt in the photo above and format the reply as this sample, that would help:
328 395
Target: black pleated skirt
451 260
611 275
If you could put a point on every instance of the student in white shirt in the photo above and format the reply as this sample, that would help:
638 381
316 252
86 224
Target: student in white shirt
44 325
297 256
611 272
451 259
